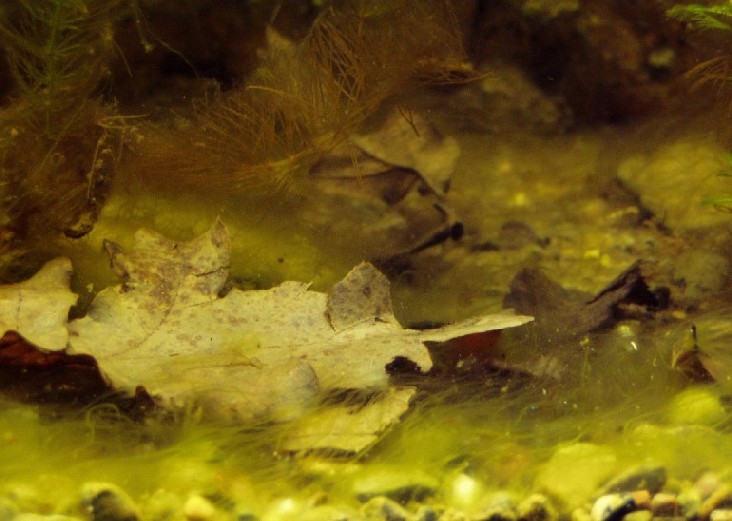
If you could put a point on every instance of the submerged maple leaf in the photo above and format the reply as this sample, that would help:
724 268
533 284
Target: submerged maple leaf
245 354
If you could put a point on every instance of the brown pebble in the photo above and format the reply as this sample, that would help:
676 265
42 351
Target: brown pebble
665 504
642 499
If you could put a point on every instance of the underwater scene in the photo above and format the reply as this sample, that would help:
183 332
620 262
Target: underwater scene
341 260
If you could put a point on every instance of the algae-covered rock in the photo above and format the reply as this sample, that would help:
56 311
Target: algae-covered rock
646 476
697 406
676 181
702 273
575 472
394 482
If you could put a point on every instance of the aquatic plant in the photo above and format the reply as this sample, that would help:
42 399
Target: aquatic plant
306 97
716 71
59 143
703 16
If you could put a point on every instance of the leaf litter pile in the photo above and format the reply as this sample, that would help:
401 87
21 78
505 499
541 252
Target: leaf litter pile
172 336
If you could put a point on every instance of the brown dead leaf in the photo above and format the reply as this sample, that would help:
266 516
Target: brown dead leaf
562 313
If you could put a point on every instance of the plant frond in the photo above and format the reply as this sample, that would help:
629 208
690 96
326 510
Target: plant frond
704 17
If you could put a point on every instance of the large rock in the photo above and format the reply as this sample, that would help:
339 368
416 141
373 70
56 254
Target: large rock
676 182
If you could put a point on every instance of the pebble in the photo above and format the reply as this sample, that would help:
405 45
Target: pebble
283 509
707 483
641 477
580 514
664 504
536 507
612 507
383 509
677 501
463 491
501 506
107 502
198 508
639 515
689 500
452 514
720 498
642 499
427 513
161 505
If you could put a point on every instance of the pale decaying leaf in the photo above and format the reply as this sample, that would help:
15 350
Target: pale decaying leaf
246 353
39 307
349 427
407 145
410 141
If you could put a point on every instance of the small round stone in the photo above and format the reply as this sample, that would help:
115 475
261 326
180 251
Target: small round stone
198 508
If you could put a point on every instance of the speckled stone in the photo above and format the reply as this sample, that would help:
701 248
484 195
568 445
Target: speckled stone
107 502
